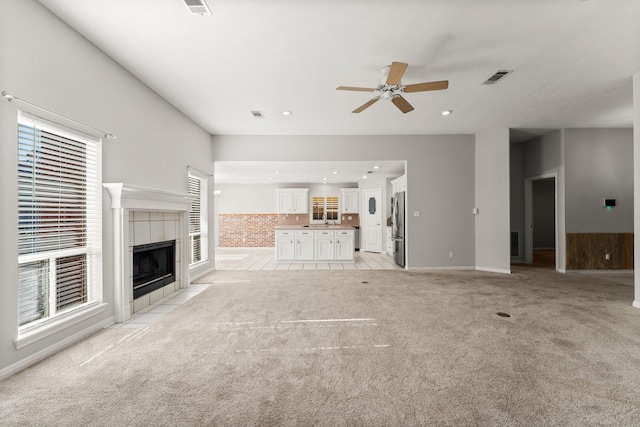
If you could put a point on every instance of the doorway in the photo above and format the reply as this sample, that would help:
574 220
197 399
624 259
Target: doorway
541 235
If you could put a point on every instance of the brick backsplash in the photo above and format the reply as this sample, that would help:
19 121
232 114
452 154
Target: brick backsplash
247 230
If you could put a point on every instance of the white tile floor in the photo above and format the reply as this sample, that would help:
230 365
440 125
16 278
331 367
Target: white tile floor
264 259
153 312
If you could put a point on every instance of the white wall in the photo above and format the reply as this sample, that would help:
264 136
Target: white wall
492 200
45 62
440 171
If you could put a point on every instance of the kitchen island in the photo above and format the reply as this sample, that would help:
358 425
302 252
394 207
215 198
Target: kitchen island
316 243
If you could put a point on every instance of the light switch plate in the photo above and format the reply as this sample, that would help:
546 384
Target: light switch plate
416 213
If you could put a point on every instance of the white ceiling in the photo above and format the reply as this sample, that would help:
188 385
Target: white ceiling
350 172
573 61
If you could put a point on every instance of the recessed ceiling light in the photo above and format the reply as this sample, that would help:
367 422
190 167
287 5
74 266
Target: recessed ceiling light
286 113
376 167
335 172
277 172
446 112
270 179
364 176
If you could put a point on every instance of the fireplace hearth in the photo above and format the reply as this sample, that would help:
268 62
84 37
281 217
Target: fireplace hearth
153 267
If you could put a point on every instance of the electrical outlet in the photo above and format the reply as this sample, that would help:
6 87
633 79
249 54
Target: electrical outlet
451 254
607 256
296 217
350 217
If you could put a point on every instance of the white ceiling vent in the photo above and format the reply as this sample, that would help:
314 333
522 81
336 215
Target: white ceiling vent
499 75
257 114
198 7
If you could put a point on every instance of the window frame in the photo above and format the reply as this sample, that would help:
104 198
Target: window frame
202 202
88 241
325 209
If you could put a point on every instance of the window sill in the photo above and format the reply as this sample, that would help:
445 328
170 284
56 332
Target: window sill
57 324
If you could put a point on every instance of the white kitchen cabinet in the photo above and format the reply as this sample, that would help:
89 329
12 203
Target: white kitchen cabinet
350 197
344 245
304 245
324 248
293 200
285 245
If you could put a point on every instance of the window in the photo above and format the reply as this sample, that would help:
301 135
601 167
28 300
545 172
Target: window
59 221
325 208
198 223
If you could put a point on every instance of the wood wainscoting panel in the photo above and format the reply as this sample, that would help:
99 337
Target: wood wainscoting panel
587 251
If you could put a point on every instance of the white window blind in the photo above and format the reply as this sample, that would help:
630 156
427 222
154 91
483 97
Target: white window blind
59 220
198 223
325 208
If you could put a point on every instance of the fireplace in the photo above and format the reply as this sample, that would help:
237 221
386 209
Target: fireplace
153 266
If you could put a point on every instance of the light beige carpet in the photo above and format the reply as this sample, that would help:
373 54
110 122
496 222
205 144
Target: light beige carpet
356 348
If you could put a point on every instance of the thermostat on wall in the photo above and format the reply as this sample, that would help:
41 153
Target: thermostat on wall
609 203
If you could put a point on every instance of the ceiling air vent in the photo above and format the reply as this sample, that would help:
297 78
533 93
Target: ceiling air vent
198 7
257 114
499 75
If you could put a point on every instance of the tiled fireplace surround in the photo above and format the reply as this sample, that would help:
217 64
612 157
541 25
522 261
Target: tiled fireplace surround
144 215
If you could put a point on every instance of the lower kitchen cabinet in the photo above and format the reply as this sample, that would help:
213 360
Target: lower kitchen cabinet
344 245
324 248
285 245
315 245
304 245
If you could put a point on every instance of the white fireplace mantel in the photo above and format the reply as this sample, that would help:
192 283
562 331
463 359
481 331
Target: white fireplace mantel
126 197
138 197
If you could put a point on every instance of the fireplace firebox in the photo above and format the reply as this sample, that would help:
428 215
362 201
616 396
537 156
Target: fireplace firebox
153 267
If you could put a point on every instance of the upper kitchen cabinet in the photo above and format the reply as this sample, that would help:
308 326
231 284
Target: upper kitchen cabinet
293 200
350 198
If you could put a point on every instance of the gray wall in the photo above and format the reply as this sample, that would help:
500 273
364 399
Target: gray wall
492 200
543 157
598 165
440 171
48 64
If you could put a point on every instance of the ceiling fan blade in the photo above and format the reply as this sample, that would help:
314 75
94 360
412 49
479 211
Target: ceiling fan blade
402 104
396 72
365 105
358 89
423 87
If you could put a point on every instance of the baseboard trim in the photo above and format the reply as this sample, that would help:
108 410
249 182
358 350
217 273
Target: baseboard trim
440 268
600 271
636 304
494 270
52 349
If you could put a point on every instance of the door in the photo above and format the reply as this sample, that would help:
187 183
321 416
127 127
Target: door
372 211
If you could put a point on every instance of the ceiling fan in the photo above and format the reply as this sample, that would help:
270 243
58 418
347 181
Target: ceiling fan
392 88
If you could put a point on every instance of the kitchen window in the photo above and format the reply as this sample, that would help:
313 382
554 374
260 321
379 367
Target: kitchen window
59 222
325 208
198 222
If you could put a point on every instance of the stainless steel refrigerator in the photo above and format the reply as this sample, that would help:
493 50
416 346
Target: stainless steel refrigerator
398 227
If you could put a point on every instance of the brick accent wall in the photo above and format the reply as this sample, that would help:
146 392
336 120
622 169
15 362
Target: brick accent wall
247 230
